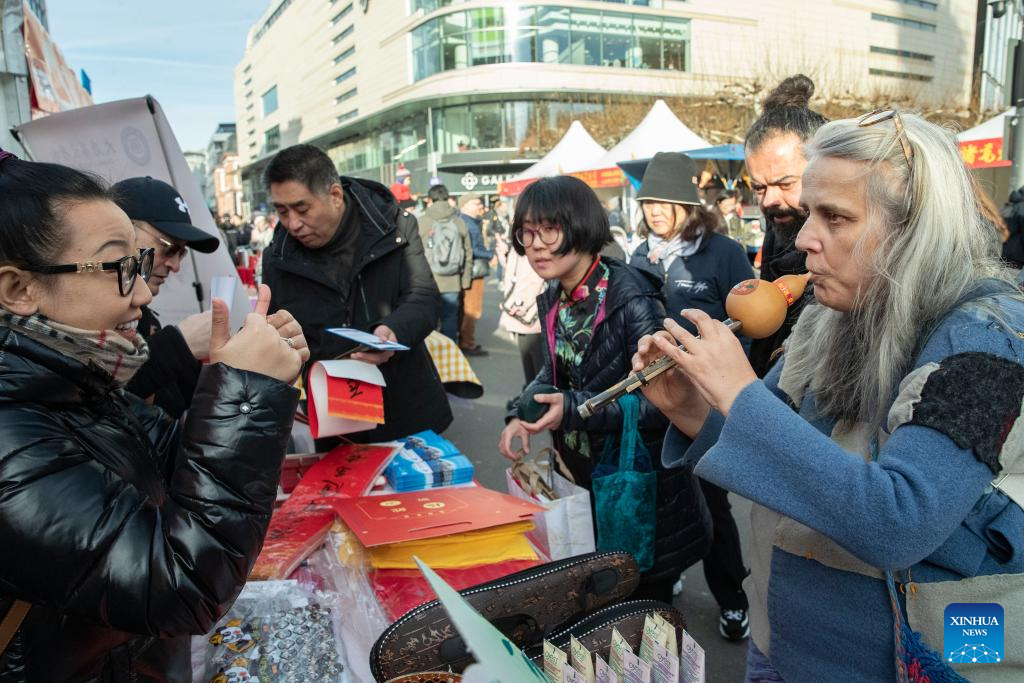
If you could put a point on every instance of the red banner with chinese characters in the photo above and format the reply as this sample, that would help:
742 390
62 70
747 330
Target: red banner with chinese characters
53 86
983 153
355 400
601 178
514 188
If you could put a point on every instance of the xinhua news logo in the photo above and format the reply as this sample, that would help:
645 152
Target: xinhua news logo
974 633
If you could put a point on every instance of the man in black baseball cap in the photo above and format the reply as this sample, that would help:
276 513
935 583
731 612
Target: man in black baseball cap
162 221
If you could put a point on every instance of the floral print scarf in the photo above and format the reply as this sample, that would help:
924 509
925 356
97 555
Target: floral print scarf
571 327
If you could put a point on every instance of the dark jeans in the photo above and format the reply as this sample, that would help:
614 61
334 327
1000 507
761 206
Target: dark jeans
450 315
723 565
759 667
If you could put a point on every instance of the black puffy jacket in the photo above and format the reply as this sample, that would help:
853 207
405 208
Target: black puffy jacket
391 284
123 528
633 308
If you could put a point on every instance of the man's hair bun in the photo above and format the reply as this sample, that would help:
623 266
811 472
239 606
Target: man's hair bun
795 91
786 110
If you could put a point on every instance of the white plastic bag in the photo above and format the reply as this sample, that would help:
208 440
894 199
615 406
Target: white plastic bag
567 528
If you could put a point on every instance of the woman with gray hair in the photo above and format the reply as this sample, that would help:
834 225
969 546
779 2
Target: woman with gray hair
885 452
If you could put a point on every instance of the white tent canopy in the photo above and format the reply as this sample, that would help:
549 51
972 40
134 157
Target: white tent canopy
993 128
660 131
576 150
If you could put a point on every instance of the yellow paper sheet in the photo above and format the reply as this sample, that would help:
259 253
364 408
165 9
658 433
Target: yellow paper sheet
456 551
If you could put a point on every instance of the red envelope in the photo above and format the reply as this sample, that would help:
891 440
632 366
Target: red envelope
300 525
355 400
344 396
380 520
347 471
293 535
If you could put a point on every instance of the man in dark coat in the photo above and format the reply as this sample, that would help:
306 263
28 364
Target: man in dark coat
349 257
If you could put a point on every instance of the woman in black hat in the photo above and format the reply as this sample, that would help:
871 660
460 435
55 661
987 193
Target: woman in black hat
697 267
592 314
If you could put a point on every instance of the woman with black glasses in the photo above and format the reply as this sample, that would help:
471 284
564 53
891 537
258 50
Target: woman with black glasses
592 315
121 530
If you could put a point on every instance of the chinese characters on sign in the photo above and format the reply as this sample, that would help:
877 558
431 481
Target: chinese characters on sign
983 153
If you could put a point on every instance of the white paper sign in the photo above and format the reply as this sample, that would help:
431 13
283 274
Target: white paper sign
223 287
693 660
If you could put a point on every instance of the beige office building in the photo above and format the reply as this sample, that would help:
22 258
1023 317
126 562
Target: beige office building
450 87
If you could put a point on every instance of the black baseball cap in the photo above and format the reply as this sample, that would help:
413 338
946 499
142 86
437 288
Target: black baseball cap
159 204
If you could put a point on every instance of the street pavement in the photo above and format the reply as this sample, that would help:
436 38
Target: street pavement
476 429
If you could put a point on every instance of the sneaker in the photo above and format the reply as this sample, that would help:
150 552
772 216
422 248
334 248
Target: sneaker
734 625
677 587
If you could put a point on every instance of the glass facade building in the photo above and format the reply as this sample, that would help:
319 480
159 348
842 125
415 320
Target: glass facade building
506 125
549 34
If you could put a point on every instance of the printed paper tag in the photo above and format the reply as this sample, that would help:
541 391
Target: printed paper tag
581 660
602 672
666 666
693 660
554 661
619 648
636 670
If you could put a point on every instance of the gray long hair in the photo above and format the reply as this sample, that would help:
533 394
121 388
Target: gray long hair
932 248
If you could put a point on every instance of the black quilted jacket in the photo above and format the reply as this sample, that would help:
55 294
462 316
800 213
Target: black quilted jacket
633 308
124 530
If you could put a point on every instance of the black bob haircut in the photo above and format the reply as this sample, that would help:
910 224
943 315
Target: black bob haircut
304 164
569 203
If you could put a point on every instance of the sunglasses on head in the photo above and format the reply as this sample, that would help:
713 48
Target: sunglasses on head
127 269
880 115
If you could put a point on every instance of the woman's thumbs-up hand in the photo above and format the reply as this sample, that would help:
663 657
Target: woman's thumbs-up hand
259 346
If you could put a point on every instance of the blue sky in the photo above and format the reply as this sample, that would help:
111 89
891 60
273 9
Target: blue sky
183 53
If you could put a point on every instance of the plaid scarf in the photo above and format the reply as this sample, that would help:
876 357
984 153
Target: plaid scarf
667 251
104 350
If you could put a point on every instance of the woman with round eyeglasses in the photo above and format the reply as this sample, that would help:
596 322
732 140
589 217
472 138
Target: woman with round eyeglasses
592 314
122 531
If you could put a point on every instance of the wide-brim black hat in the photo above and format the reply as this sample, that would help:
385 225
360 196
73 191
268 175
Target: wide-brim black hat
670 178
159 204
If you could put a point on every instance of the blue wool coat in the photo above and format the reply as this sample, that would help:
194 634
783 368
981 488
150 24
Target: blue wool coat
827 516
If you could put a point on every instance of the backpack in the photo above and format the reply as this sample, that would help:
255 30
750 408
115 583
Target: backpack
444 249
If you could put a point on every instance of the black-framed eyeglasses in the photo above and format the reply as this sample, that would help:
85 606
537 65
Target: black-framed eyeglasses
549 235
880 115
170 249
127 269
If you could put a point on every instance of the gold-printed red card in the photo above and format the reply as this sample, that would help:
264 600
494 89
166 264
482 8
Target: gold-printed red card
380 520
